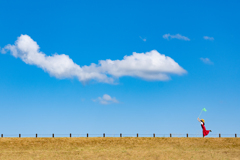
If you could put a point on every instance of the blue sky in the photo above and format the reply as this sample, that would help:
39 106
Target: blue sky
193 44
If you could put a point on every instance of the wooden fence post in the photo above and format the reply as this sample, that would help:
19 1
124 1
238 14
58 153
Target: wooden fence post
137 134
103 134
153 134
170 135
87 134
19 135
2 135
236 135
219 135
36 135
70 135
187 134
53 135
120 134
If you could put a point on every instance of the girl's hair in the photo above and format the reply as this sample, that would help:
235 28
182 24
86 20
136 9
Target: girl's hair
203 122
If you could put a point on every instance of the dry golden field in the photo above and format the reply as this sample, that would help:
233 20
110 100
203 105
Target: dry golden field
119 148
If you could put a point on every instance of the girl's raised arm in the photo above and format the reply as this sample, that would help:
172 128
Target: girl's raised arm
198 120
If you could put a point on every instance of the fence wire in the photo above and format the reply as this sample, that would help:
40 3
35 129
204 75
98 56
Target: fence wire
178 135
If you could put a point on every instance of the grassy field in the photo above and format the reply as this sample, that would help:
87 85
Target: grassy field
119 148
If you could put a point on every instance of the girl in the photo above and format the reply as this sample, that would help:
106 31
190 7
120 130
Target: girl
205 132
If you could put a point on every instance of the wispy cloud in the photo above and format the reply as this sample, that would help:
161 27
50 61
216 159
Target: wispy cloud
206 61
144 39
2 50
208 38
106 99
177 36
149 66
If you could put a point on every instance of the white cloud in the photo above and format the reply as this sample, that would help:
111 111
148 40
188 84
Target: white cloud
106 99
144 39
206 60
150 65
59 66
177 36
2 50
208 38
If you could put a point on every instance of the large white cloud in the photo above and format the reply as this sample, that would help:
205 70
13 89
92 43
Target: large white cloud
150 65
59 66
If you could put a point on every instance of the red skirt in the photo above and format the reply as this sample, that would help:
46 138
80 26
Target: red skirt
205 132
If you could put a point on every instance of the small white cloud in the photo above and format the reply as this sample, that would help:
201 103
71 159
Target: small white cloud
2 50
206 60
177 36
82 99
208 38
144 39
106 99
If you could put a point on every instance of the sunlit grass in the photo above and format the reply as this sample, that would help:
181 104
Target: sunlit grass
119 148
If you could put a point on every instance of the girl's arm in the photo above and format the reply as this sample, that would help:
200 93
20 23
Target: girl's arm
198 120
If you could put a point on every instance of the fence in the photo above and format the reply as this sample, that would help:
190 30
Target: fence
118 135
